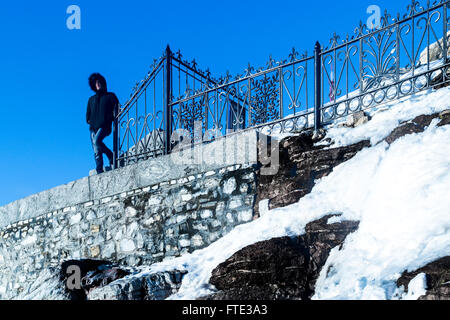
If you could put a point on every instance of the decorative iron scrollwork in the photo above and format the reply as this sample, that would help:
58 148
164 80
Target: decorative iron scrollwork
190 113
265 100
379 59
357 72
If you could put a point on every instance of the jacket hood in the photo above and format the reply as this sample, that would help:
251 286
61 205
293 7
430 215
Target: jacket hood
93 79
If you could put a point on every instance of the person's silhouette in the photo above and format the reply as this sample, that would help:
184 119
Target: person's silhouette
100 116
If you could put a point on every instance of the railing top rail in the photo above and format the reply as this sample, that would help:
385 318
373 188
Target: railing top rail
139 88
362 31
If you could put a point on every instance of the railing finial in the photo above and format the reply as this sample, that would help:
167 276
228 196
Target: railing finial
317 86
317 45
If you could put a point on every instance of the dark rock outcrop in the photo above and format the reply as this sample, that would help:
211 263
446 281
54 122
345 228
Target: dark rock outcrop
156 286
102 280
417 125
92 274
101 277
438 279
445 118
282 268
301 164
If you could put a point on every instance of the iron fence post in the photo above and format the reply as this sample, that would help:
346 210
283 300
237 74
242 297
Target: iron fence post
317 86
445 43
168 100
116 136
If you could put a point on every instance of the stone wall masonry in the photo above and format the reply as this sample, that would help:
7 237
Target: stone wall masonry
134 227
236 149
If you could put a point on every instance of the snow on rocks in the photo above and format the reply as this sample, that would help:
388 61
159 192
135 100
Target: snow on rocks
398 192
400 195
417 287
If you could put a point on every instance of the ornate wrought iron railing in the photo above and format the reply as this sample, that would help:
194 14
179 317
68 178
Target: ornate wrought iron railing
302 92
139 124
377 66
260 99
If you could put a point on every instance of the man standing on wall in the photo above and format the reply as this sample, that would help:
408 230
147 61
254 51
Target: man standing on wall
100 116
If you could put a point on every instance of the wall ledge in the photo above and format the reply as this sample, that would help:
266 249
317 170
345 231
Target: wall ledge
225 153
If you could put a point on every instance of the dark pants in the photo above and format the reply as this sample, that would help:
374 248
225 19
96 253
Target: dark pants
100 148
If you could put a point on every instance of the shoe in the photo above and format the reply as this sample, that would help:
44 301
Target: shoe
111 162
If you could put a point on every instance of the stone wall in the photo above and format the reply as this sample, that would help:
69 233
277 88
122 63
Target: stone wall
130 217
226 151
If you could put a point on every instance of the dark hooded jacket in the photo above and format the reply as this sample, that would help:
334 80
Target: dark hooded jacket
101 106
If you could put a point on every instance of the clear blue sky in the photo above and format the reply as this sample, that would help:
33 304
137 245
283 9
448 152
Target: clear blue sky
44 66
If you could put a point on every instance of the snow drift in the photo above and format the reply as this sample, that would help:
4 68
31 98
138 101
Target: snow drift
398 192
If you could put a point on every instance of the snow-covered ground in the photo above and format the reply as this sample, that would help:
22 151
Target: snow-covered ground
387 117
399 193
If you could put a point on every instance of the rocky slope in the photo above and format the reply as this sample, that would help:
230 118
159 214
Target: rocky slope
287 268
301 165
280 268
